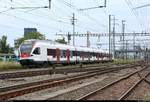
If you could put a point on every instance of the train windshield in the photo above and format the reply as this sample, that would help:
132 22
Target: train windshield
26 48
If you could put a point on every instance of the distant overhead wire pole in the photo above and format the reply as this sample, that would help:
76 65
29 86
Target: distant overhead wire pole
123 31
114 26
73 25
110 35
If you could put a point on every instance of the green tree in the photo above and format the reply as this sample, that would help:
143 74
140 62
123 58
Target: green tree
4 47
31 35
34 35
62 41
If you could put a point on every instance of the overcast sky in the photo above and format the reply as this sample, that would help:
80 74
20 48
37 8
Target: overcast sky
57 19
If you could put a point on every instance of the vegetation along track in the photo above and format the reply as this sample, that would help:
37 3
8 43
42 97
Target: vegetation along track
13 91
37 72
120 89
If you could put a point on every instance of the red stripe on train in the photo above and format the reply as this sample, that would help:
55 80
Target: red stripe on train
24 55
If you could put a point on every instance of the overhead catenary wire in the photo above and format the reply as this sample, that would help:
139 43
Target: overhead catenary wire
69 19
132 12
29 21
139 7
83 13
23 19
25 7
33 14
129 4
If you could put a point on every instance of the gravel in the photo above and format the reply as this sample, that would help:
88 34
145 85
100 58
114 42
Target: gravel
115 91
17 81
97 81
141 92
148 77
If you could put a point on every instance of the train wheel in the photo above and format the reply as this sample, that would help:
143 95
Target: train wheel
45 64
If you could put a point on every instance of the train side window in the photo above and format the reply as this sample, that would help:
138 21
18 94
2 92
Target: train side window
77 53
51 52
61 53
71 54
80 54
91 55
85 54
64 53
98 55
36 51
74 53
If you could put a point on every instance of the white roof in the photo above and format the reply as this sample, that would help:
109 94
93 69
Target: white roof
64 46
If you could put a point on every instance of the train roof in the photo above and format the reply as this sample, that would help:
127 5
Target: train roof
64 46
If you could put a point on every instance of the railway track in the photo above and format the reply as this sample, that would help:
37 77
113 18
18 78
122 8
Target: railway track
13 91
47 71
133 90
120 89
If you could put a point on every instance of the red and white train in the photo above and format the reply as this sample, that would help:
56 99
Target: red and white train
46 52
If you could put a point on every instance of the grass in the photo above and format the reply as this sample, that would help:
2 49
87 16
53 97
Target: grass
10 65
15 65
121 61
146 96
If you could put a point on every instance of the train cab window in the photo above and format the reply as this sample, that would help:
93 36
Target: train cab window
36 51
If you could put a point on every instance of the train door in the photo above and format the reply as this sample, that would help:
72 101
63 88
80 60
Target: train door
76 55
89 55
58 55
68 56
98 55
82 56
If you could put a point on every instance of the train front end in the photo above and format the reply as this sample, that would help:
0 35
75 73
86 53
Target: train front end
25 56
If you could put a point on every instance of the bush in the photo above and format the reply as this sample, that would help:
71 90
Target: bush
1 59
10 65
121 61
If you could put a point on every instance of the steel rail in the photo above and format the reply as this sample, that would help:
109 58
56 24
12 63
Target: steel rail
146 80
132 88
49 71
4 89
30 89
108 85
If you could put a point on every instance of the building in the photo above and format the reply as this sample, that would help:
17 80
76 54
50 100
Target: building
28 30
8 57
